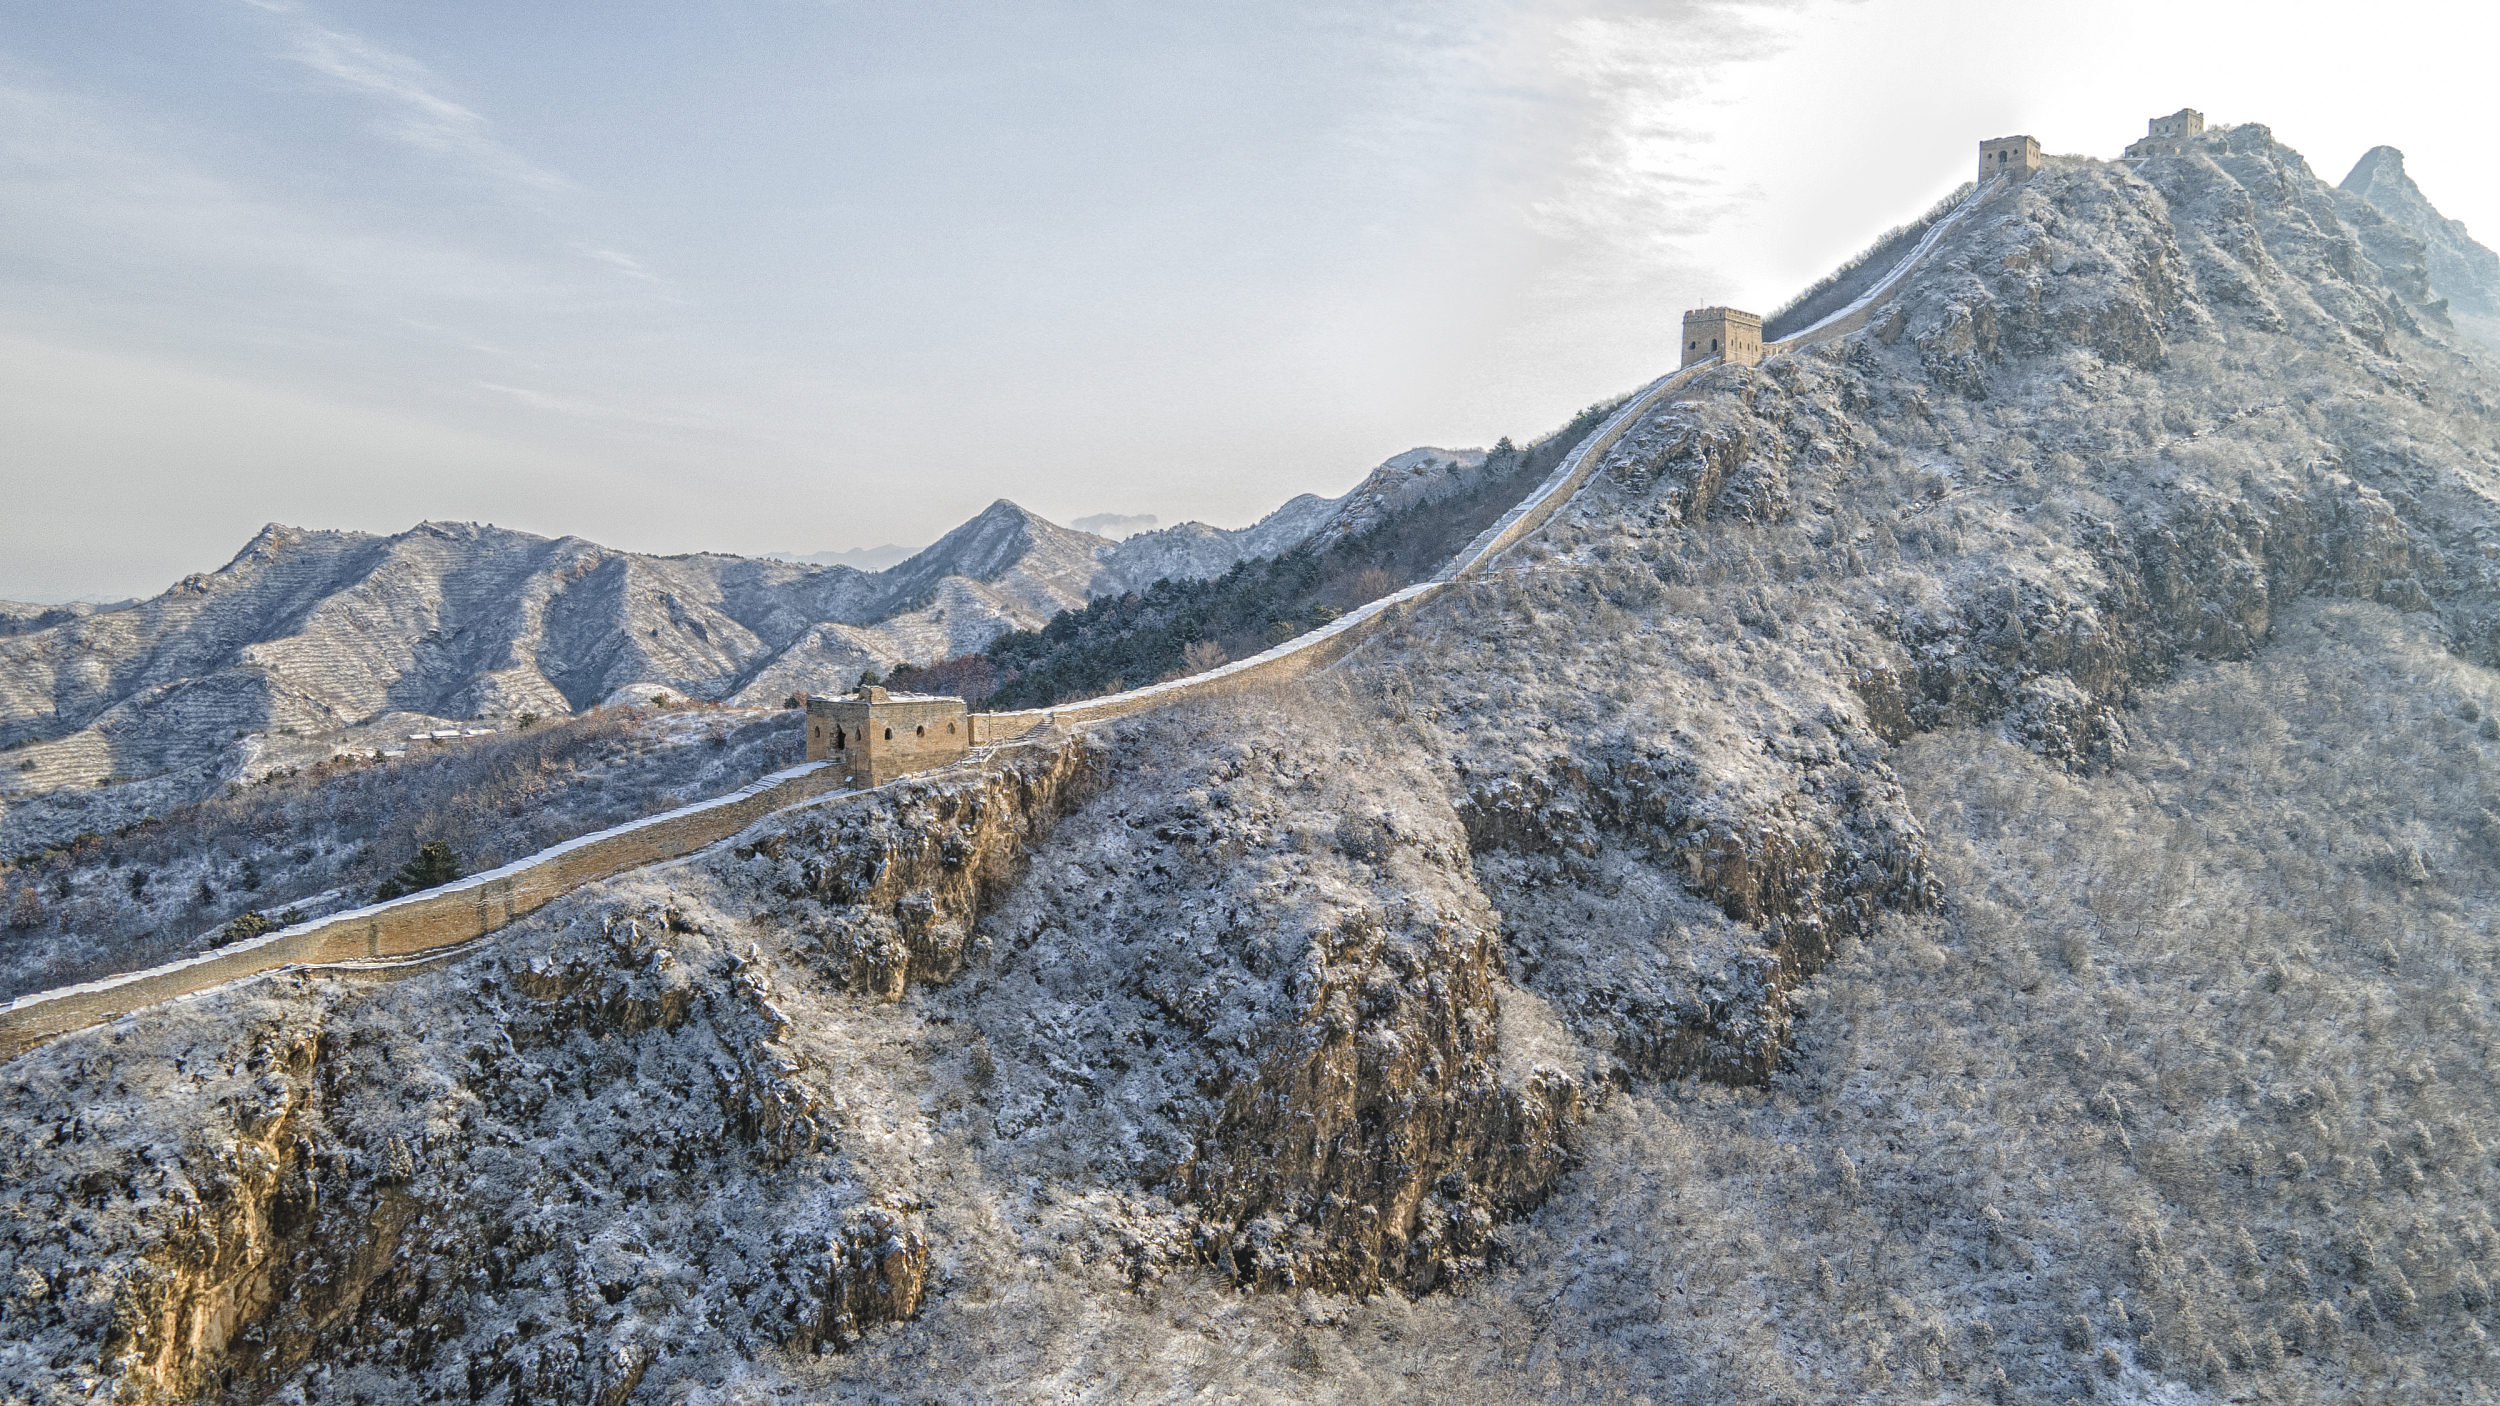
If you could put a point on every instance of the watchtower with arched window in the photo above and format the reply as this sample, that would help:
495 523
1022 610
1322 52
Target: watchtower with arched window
2008 156
1724 332
874 736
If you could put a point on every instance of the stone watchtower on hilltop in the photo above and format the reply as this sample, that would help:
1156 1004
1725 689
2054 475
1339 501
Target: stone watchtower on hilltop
874 736
2003 156
2168 136
1725 332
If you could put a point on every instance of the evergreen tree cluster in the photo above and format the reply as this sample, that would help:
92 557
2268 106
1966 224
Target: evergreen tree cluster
434 866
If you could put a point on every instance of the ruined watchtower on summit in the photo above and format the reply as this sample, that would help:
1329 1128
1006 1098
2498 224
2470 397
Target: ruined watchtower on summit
2168 136
874 736
1727 332
2015 156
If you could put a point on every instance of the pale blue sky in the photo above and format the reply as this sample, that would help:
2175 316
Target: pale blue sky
783 275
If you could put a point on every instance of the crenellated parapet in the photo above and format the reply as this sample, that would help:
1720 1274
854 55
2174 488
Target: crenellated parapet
1729 334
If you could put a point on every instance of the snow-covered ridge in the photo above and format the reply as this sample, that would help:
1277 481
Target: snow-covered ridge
2091 675
311 632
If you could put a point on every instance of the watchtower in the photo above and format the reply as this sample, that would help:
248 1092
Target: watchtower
2014 156
874 736
1723 332
2169 135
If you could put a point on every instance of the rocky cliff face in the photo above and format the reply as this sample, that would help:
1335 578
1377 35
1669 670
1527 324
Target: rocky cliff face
1955 868
1267 964
2460 270
420 1181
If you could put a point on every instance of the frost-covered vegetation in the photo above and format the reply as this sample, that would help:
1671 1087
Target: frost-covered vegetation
1181 627
329 836
1957 868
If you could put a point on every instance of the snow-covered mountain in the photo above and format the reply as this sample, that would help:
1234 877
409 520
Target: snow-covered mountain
17 616
857 558
316 631
1959 866
1193 550
2461 271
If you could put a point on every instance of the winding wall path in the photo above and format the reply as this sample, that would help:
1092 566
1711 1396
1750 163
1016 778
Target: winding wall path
438 921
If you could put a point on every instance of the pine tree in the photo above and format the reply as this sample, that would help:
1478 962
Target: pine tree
248 925
434 866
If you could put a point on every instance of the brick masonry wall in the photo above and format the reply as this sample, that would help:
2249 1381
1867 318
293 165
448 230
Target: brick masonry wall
456 913
1858 314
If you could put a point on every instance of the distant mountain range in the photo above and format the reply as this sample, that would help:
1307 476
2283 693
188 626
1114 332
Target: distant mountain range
17 616
857 558
1115 525
320 631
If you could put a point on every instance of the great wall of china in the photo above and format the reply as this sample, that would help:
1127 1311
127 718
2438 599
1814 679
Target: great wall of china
445 922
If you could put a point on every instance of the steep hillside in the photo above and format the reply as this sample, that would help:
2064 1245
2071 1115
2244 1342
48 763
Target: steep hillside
1957 868
2461 271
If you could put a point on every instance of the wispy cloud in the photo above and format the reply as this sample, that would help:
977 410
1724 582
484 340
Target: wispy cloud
1654 84
93 202
623 263
608 412
415 113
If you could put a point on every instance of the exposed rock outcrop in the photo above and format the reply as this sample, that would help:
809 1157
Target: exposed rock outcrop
2459 269
881 897
1272 969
